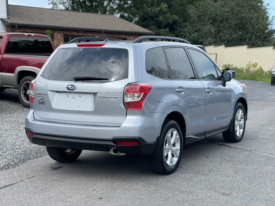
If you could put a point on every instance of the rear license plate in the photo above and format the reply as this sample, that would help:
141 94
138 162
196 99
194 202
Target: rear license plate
80 102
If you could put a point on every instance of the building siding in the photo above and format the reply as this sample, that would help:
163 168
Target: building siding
3 14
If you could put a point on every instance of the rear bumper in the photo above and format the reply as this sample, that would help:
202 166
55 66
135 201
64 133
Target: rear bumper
142 147
143 128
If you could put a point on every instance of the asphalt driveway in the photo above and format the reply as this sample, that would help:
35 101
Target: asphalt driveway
212 172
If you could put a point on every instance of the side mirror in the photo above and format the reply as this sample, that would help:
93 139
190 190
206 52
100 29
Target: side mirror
226 77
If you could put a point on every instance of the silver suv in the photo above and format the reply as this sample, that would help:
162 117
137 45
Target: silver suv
145 97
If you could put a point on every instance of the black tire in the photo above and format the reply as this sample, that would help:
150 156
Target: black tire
2 89
23 87
272 80
63 155
158 164
231 135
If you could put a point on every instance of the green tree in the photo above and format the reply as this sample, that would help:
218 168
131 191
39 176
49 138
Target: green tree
159 20
160 16
94 6
230 23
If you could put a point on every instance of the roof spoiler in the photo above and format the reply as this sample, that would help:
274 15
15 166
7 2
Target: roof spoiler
159 38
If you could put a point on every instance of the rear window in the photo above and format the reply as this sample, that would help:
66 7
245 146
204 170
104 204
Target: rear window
93 62
22 44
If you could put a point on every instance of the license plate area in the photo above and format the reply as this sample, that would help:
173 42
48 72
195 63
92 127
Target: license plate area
74 101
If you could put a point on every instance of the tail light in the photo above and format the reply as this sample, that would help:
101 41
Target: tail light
31 91
135 94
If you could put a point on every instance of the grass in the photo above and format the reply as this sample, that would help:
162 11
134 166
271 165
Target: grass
251 71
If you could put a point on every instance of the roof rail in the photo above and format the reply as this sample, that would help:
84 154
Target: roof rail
84 39
158 38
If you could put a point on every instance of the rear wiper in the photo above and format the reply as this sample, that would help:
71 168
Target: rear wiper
78 78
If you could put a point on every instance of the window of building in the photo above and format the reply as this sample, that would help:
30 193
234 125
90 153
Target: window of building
68 38
179 64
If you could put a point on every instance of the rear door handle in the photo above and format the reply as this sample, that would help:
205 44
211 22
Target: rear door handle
180 89
208 90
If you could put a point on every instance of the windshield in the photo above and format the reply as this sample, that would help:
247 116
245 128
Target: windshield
107 63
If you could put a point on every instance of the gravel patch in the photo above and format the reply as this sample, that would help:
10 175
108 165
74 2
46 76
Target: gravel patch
15 149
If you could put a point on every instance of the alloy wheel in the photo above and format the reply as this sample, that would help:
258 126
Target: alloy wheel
239 123
172 146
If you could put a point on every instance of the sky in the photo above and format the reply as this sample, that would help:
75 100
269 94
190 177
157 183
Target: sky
44 4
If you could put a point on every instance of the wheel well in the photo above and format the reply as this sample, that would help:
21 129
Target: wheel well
176 116
244 103
23 74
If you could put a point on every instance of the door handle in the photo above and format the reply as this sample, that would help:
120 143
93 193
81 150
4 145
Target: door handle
208 90
180 89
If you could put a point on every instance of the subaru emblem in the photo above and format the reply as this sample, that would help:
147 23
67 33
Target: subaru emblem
71 87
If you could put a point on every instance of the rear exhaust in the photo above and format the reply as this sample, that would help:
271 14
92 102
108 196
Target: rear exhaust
114 151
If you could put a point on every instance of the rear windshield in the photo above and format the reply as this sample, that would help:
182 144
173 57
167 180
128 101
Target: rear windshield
26 44
67 63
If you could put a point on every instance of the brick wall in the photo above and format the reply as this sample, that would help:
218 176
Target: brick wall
58 35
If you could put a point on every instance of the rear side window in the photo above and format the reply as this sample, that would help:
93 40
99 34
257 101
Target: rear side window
204 66
179 64
156 63
67 63
22 44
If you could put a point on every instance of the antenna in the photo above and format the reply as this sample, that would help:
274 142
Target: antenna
105 39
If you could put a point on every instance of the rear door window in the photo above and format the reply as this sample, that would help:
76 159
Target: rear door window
25 45
156 63
179 64
109 63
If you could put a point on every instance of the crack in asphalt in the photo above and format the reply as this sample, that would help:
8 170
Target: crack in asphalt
248 150
9 185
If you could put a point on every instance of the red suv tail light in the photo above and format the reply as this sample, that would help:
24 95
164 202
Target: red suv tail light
135 94
31 91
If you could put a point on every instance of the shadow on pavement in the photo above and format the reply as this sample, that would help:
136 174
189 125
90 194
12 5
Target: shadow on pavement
104 165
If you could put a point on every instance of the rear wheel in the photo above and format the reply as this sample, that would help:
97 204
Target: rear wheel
63 155
236 130
169 149
23 90
272 80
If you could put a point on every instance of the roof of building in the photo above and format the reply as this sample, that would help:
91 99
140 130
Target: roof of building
61 19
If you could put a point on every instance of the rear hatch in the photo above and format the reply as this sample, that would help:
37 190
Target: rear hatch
83 86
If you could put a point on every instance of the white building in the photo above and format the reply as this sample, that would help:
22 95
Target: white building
3 13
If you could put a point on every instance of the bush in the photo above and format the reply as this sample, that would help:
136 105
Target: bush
251 71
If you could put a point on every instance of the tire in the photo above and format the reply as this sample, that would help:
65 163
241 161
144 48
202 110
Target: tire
236 130
63 155
159 164
272 80
23 88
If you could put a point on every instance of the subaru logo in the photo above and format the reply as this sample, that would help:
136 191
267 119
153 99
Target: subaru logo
71 87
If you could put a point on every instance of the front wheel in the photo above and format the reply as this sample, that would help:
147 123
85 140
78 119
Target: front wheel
236 130
272 80
169 149
23 90
63 155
